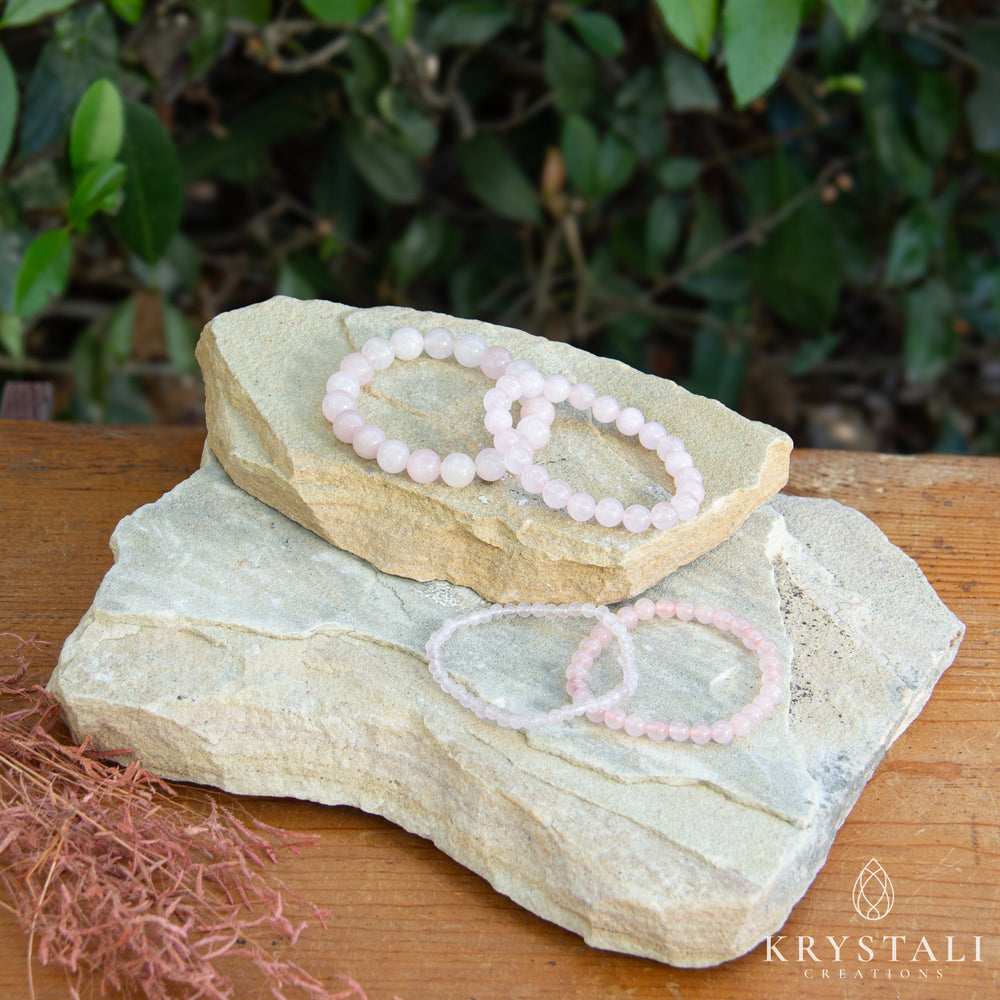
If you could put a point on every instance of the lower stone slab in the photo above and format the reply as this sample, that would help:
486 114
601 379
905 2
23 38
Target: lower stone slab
232 647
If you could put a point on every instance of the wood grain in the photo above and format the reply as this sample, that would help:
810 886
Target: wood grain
409 922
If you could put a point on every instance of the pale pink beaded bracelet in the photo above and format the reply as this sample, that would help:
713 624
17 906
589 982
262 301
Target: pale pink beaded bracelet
723 730
369 441
538 396
610 628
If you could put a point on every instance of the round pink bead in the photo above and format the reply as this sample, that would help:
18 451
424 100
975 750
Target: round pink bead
665 608
609 512
580 506
645 609
630 421
494 362
768 660
753 713
557 388
627 617
498 420
657 730
686 506
496 399
392 456
539 406
581 396
614 718
534 478
532 383
768 648
439 343
635 725
556 493
518 366
741 724
668 445
518 459
636 518
722 618
651 434
663 516
772 676
367 441
704 613
690 489
346 424
701 734
505 439
752 638
679 730
423 466
336 402
722 732
591 646
605 409
359 366
676 461
343 382
469 350
379 352
581 658
407 343
595 715
773 692
509 385
766 705
535 431
739 625
458 469
490 465
685 610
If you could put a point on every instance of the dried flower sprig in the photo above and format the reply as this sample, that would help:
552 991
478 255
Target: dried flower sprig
117 881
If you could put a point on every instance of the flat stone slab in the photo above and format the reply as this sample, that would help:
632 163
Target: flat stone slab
266 368
231 647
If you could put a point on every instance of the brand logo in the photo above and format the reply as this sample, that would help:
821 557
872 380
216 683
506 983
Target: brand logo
873 896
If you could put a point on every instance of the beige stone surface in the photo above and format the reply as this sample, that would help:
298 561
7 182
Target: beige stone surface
265 371
231 647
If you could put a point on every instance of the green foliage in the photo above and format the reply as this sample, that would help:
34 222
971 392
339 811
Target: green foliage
731 193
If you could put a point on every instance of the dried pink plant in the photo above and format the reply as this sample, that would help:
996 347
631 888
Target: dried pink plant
118 882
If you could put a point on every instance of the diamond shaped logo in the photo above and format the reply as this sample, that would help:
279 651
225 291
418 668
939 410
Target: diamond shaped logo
873 896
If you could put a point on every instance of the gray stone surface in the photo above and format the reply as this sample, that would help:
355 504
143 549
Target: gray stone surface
230 646
266 368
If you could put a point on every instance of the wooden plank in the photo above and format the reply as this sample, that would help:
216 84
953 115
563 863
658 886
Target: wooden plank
409 922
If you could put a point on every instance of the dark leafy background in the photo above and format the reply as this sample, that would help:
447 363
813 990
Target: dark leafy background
790 206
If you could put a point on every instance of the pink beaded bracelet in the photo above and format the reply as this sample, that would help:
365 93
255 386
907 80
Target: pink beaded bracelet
517 445
722 731
369 441
609 626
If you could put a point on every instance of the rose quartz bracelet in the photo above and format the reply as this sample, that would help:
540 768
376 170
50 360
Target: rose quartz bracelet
538 396
771 678
609 626
369 441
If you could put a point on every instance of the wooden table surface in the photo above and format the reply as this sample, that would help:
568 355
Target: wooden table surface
409 922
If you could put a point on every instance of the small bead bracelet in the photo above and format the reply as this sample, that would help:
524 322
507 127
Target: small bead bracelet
369 441
538 396
722 731
609 626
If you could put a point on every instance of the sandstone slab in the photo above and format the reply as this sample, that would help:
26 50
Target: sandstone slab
231 647
265 370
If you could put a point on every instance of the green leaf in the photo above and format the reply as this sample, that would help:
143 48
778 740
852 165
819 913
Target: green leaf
8 105
44 272
12 335
393 174
293 282
151 211
25 11
688 85
758 40
179 338
82 47
98 126
663 229
129 10
99 190
811 353
400 14
718 367
913 240
850 12
256 11
600 32
692 22
930 339
497 180
580 147
722 279
936 115
337 11
679 172
472 22
569 71
118 333
981 107
616 163
418 248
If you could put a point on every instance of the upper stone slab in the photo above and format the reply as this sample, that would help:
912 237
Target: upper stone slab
266 368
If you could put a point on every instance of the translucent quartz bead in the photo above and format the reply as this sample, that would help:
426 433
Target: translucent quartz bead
494 362
581 396
423 466
344 382
581 506
609 512
407 343
534 478
469 350
367 441
439 343
379 352
336 402
539 406
556 493
498 420
636 518
458 469
359 366
490 465
535 431
346 424
629 421
651 434
392 456
605 409
663 516
557 388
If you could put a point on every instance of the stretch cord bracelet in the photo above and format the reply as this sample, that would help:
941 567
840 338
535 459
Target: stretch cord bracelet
538 396
722 731
369 441
609 626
